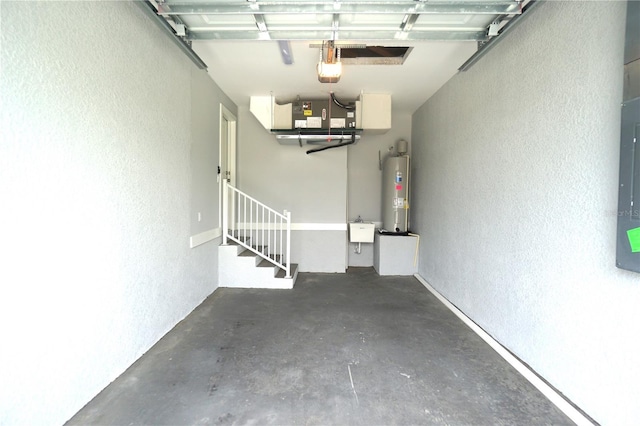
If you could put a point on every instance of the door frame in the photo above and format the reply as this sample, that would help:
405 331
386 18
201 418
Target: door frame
229 139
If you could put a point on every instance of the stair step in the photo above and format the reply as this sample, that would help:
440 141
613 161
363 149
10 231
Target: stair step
281 272
264 263
240 238
249 253
242 268
276 258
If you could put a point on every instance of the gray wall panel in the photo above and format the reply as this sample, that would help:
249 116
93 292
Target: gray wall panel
516 166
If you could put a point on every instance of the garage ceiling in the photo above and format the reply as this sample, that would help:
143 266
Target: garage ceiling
245 42
337 20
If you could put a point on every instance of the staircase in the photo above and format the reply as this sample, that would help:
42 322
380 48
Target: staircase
255 251
242 268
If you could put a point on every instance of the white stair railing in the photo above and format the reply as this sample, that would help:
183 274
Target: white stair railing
257 227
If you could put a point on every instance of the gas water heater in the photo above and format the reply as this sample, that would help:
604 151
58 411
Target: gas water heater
395 191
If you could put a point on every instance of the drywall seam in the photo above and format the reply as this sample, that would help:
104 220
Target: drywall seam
204 237
558 400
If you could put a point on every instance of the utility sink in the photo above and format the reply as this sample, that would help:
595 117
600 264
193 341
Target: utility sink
361 232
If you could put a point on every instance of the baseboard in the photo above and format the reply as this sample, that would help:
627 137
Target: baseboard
556 398
318 226
295 226
204 237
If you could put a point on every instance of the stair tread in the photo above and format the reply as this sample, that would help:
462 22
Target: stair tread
281 272
241 237
249 253
276 258
264 263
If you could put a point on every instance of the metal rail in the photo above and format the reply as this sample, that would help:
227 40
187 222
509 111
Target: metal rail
257 227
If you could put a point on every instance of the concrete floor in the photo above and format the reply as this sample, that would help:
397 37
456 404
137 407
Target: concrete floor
338 349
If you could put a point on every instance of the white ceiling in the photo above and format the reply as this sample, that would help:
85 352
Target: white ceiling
246 68
237 39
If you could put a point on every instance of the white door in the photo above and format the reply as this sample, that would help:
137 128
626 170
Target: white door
227 170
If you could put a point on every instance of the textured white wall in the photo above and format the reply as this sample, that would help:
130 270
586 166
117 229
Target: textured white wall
206 97
365 179
313 187
95 188
515 191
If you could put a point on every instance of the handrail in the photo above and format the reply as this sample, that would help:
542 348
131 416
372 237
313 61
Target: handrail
256 227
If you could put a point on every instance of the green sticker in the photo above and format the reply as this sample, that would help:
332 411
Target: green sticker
634 239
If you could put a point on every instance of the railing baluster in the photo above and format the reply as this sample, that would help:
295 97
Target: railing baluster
251 223
288 259
261 227
225 218
280 240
